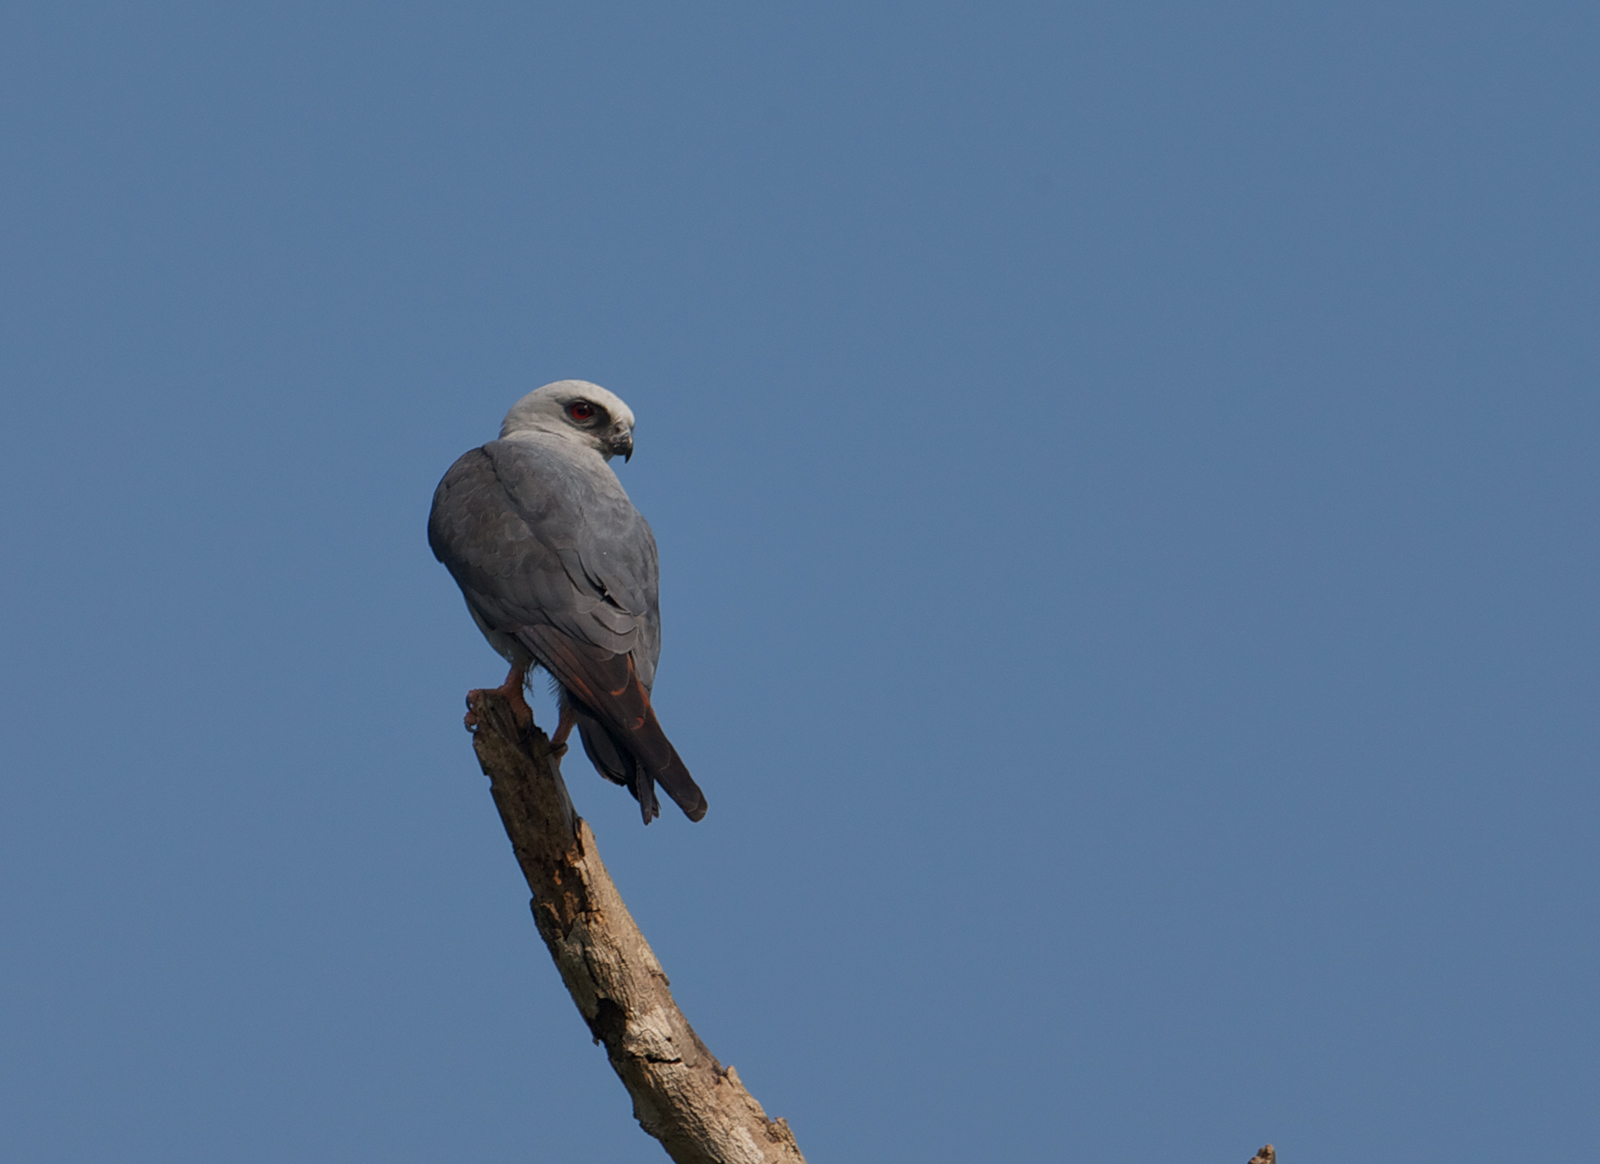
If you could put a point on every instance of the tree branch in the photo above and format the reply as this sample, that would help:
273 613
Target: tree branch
682 1096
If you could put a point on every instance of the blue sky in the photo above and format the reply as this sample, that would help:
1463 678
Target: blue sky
1126 490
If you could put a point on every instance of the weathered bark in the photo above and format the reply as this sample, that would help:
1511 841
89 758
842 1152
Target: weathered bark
682 1096
1265 1156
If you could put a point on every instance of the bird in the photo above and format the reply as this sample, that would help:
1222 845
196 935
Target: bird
559 571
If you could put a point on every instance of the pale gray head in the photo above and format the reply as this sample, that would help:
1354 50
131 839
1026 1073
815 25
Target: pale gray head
577 410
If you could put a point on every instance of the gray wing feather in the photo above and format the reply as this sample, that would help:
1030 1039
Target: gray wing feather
536 536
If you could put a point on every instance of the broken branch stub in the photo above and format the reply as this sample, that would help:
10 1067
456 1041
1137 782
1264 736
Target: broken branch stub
682 1096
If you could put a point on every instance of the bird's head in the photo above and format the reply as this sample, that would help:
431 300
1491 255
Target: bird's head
579 411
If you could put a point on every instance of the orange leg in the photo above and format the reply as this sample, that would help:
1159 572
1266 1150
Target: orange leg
512 690
558 742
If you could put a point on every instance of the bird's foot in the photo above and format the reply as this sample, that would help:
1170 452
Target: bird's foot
511 690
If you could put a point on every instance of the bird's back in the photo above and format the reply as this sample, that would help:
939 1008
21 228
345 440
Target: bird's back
536 533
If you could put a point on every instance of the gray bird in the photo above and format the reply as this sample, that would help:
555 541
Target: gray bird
559 571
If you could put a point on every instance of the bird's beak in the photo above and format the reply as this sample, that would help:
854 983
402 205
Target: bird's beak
623 443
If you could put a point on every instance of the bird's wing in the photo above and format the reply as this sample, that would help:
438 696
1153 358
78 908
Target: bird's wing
575 507
532 540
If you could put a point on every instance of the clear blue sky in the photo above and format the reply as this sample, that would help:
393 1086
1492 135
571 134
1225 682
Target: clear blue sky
1126 483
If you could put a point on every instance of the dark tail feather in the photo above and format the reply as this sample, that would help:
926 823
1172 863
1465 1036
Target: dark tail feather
681 787
644 789
609 760
620 731
615 762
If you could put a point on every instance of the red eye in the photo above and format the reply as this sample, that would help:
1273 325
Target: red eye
580 410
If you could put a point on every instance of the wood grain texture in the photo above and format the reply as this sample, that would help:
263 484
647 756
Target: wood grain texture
682 1096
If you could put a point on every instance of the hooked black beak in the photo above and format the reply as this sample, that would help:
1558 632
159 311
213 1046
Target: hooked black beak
623 443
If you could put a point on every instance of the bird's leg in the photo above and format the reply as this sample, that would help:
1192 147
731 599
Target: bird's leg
558 742
512 690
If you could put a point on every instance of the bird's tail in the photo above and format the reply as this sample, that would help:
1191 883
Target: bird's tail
614 760
620 731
